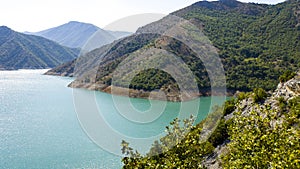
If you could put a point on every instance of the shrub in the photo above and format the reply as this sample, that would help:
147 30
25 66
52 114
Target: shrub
255 143
219 135
259 95
242 96
286 76
282 103
229 107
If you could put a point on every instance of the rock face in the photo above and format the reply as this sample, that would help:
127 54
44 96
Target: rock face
289 89
286 91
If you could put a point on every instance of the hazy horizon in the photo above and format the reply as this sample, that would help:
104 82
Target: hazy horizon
37 15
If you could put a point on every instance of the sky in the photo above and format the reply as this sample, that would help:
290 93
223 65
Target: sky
37 15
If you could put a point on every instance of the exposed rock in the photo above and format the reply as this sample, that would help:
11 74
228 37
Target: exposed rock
287 91
213 161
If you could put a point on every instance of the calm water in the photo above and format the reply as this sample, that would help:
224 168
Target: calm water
39 126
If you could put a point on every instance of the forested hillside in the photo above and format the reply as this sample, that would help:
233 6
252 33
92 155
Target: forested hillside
256 43
21 51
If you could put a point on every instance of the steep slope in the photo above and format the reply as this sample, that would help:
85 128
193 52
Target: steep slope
255 122
75 34
21 51
252 39
251 133
255 42
105 55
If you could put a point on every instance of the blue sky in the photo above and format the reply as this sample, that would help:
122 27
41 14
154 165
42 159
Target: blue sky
36 15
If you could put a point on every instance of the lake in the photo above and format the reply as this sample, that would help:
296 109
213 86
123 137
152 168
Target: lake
39 127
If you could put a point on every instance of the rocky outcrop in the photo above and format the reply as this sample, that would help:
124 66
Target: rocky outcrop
289 89
66 70
285 91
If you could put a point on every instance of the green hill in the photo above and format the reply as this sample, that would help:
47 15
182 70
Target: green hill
21 51
256 44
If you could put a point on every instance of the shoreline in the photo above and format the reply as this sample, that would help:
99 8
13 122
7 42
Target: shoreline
150 95
46 69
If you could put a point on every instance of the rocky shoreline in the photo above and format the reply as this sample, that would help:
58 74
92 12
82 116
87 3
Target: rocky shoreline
163 94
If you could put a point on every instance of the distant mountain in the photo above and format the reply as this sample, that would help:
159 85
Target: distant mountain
75 34
119 34
21 51
255 42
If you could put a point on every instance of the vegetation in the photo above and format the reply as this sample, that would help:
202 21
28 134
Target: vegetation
20 51
287 75
144 80
172 151
252 39
265 137
259 95
229 106
260 140
182 146
255 42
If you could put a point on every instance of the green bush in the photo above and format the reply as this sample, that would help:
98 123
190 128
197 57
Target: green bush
294 106
242 95
219 135
282 103
287 75
229 107
259 95
260 140
180 148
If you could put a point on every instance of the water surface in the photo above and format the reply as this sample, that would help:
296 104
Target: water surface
39 126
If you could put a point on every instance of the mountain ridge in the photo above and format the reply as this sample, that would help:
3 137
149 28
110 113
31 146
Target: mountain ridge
21 51
74 34
250 39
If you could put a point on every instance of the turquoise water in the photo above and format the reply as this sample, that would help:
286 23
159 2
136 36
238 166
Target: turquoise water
39 126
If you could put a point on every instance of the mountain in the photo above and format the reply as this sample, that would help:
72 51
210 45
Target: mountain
255 42
21 51
75 34
119 34
253 130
